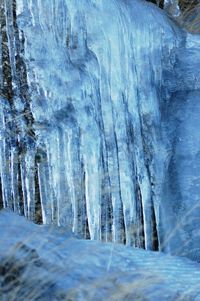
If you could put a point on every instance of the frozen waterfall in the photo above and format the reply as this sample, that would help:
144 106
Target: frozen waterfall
97 121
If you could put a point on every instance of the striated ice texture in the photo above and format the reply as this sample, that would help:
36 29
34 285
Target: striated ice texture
99 121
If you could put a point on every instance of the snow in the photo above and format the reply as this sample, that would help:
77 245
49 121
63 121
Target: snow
55 263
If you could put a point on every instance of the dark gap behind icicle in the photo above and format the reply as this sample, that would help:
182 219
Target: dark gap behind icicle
38 207
86 225
20 191
159 3
1 195
140 239
155 231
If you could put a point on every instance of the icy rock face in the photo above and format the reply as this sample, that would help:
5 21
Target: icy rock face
89 134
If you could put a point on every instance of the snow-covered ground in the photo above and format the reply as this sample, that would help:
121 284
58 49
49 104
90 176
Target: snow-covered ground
47 263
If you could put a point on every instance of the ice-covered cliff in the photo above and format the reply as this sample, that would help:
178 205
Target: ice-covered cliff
98 130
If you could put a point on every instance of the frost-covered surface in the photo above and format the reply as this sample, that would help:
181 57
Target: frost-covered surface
97 122
172 7
43 263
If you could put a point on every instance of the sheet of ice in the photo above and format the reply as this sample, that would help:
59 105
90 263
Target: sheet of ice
89 131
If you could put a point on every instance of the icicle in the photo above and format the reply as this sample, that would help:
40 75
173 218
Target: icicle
85 86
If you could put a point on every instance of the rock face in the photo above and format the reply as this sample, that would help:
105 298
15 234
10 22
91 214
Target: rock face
189 19
184 5
98 130
185 12
187 5
39 262
159 3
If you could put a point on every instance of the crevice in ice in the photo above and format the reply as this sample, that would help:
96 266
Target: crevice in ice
1 195
159 3
155 231
83 215
81 212
20 189
38 207
140 237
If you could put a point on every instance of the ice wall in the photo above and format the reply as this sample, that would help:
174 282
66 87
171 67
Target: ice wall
87 87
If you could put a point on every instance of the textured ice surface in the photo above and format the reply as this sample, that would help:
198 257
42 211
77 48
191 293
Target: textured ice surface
98 126
44 263
172 7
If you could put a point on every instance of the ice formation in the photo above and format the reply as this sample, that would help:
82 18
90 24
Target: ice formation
172 6
98 126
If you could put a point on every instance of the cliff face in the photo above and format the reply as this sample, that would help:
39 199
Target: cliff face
184 5
187 5
94 133
190 18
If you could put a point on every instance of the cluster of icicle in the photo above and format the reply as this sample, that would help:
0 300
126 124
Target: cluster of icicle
80 126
